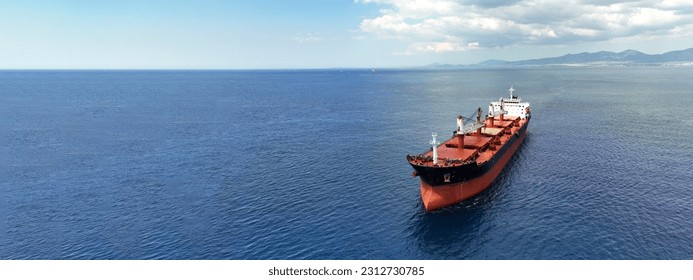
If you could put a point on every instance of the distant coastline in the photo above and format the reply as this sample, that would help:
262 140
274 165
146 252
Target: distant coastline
627 58
596 59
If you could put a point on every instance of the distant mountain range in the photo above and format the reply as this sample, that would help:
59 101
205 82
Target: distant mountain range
628 57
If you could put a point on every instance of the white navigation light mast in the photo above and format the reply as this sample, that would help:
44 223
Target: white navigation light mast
511 91
460 124
435 143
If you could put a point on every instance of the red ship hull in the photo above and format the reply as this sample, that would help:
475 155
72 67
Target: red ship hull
436 197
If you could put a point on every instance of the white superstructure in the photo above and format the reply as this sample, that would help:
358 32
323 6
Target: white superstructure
509 107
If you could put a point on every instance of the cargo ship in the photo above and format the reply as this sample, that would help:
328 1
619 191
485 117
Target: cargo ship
466 164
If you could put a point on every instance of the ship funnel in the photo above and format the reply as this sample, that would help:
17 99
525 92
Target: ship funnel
434 144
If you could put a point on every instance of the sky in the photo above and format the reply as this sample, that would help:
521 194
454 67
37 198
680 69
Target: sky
296 34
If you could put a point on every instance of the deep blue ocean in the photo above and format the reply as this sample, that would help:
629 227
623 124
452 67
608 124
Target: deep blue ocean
310 164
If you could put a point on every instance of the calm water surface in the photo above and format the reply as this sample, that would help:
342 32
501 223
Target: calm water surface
310 165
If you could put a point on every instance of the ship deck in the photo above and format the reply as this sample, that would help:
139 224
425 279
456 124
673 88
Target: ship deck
450 149
476 147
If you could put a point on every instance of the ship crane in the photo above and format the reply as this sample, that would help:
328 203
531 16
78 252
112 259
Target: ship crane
472 124
471 127
492 112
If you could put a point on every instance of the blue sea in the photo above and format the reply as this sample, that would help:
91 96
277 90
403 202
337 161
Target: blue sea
310 164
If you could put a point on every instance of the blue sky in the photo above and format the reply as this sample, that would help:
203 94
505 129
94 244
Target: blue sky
155 34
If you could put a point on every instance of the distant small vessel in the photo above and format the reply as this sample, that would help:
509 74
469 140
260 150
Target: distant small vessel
470 161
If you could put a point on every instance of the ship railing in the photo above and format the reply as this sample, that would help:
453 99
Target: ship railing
458 161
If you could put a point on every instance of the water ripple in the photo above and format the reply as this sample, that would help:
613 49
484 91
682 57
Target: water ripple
310 165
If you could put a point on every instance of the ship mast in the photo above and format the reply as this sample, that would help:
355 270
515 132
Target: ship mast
460 124
434 144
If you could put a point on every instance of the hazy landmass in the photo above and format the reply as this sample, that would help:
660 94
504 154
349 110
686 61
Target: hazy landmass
602 58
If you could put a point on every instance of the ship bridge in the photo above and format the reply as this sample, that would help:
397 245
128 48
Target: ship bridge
512 106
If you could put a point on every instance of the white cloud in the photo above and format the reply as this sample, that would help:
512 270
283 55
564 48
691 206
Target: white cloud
460 25
439 47
675 4
652 17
